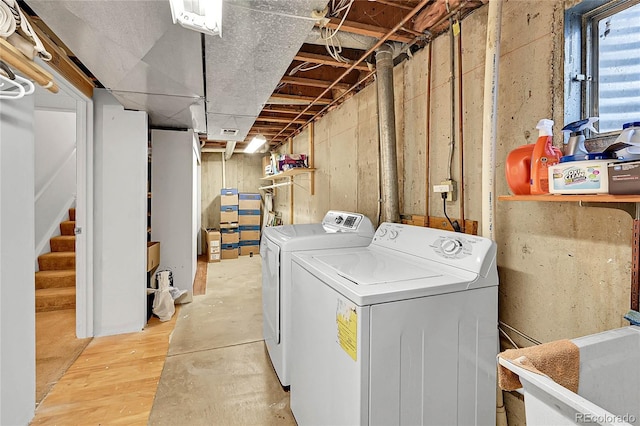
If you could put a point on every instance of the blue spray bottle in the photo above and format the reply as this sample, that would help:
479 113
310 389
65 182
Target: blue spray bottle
574 147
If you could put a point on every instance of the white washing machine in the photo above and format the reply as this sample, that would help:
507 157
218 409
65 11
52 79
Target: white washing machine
402 332
338 229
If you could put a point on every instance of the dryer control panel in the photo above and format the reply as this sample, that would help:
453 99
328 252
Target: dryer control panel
338 221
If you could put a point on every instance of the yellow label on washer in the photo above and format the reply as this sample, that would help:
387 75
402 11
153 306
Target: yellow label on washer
347 322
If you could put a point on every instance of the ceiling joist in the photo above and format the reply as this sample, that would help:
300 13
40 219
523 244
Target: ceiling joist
284 110
280 120
366 29
282 97
301 81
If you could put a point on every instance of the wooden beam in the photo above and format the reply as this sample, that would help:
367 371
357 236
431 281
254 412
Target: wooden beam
260 128
394 4
311 82
61 62
326 60
297 98
286 111
366 29
281 120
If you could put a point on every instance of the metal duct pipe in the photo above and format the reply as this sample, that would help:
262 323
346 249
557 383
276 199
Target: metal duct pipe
387 128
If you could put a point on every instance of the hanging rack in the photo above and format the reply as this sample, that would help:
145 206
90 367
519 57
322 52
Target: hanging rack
16 60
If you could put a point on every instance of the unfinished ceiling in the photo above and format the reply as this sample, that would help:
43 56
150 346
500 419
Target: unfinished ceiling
278 65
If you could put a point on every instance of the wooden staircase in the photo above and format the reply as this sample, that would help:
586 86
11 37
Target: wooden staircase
56 280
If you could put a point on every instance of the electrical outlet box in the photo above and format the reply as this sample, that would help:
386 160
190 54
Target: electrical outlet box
447 186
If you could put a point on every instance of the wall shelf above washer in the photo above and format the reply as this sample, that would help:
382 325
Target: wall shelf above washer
595 198
295 172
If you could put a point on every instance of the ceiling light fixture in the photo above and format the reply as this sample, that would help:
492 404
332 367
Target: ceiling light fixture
255 143
204 16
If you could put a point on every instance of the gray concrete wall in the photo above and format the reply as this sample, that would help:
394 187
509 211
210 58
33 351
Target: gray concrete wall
564 269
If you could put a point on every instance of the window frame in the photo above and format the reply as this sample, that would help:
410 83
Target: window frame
581 57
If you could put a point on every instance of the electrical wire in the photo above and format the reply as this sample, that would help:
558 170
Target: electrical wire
455 225
304 67
333 46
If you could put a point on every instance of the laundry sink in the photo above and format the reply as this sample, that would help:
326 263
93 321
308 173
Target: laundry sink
609 384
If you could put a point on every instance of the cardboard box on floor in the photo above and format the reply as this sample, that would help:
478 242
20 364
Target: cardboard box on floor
249 250
213 245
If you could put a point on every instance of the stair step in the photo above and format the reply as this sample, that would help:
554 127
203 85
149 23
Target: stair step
54 299
55 279
67 227
57 261
72 213
63 243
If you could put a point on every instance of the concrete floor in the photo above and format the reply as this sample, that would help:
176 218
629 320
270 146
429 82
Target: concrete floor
217 371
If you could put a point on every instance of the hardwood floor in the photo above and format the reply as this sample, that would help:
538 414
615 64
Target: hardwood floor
113 381
55 352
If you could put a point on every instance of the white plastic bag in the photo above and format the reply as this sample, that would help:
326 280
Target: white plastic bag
163 305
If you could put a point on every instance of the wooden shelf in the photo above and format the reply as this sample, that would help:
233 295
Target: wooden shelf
595 198
289 173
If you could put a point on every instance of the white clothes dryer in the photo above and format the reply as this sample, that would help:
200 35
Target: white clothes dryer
338 229
402 332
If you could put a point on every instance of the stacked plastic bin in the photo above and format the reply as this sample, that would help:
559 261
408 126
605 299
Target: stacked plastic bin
249 220
229 227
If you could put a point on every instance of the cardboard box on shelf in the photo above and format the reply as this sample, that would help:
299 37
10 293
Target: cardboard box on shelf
249 201
624 178
153 255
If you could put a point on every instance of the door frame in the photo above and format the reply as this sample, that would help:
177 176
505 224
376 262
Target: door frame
84 203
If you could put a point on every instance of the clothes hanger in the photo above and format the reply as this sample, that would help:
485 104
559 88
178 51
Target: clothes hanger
9 93
15 81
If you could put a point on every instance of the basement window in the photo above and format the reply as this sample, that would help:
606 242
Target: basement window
602 63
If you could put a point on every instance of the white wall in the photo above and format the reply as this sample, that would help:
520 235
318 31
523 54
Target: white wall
17 287
173 200
120 209
55 172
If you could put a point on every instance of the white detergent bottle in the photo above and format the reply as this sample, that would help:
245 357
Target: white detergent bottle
575 145
630 134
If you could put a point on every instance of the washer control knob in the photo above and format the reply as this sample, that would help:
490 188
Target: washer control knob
451 247
339 220
382 232
393 235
